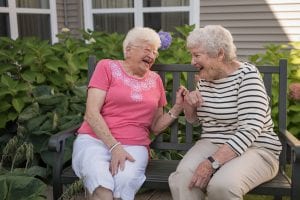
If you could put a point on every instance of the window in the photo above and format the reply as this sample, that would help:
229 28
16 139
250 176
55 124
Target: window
120 16
25 18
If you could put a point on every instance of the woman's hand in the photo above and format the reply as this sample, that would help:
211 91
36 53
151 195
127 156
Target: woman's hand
118 157
193 99
180 93
202 175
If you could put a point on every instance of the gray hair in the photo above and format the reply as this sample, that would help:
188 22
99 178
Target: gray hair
212 38
140 35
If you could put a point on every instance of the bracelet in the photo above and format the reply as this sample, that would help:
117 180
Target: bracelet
114 146
172 115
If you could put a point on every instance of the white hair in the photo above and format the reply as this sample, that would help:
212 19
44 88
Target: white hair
140 35
212 38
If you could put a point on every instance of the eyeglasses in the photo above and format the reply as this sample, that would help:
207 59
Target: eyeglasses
147 50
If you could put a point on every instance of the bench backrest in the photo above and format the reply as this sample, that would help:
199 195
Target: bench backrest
181 135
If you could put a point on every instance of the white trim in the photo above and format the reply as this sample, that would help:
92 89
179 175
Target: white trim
53 21
13 23
4 10
167 9
34 10
112 10
140 9
138 14
195 13
88 15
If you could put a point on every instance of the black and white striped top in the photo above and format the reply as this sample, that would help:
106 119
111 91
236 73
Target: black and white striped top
236 111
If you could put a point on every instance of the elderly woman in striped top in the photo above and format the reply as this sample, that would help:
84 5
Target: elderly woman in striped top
238 149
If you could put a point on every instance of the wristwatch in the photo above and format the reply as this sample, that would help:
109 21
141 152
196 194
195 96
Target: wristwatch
214 163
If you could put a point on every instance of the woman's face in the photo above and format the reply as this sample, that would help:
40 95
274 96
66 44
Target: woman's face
142 55
210 68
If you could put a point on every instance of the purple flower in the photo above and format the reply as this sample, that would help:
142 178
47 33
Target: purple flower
166 39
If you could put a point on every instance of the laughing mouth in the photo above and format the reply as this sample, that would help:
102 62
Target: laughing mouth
147 61
201 68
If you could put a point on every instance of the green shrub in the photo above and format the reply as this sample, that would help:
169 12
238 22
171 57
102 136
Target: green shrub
272 55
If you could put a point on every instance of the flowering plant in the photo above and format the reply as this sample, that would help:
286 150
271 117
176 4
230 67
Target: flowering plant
166 39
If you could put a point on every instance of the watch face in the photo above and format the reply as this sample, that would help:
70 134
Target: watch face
215 165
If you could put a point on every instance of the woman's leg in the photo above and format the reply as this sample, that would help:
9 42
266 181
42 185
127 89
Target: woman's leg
129 181
91 161
101 193
180 179
238 176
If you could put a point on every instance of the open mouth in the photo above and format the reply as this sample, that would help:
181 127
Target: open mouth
147 61
200 68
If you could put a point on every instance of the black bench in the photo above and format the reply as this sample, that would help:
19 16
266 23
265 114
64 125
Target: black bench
158 170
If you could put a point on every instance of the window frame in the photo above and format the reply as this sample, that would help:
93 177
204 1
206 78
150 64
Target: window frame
12 10
138 10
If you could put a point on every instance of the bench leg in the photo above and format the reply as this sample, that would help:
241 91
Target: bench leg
57 184
57 191
277 197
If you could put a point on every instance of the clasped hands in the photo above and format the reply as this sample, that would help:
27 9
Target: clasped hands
188 99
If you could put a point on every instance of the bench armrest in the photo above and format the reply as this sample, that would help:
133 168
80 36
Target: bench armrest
57 140
294 143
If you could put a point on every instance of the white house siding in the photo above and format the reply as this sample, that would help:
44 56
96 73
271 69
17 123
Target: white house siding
254 23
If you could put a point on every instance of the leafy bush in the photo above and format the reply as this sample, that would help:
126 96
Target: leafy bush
272 55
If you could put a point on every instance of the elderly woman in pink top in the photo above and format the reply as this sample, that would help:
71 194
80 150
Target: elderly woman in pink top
124 104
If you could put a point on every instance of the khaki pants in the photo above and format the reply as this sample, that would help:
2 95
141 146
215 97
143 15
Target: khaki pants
233 180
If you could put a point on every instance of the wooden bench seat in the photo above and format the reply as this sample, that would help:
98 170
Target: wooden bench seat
181 135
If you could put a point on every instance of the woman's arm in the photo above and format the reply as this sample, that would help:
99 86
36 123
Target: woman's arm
95 100
94 104
162 120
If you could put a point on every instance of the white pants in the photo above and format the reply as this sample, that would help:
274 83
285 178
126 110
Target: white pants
233 180
91 160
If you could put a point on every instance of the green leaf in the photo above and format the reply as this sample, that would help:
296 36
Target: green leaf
29 59
29 112
3 189
8 81
28 76
40 78
53 66
50 99
80 91
3 120
4 106
22 187
295 108
81 50
6 68
18 104
39 141
37 171
71 79
42 90
4 91
12 116
34 123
